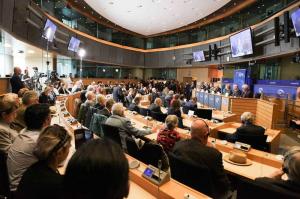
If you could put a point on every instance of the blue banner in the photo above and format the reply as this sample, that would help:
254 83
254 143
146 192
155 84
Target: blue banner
240 77
205 101
225 101
295 83
218 101
276 91
201 97
211 99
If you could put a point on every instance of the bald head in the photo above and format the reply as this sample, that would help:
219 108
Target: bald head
200 131
17 71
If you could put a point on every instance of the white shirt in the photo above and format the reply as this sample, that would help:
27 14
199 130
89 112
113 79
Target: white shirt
20 156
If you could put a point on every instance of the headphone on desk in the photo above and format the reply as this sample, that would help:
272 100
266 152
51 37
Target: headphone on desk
287 156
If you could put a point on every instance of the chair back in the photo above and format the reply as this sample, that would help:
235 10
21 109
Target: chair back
89 114
256 142
112 133
158 116
4 180
249 189
149 153
195 176
144 111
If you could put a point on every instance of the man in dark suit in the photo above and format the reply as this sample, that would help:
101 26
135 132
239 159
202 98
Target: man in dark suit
134 106
196 151
15 81
155 107
117 93
107 109
290 167
254 133
246 92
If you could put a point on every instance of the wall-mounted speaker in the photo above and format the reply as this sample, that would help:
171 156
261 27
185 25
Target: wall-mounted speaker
287 32
277 31
209 52
216 51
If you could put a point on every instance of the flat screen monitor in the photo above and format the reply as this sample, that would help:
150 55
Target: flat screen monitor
49 30
74 44
204 113
198 56
241 43
296 21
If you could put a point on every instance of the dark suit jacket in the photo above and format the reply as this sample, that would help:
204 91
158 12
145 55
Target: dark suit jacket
247 94
284 186
253 132
105 112
154 108
153 97
134 107
16 84
193 151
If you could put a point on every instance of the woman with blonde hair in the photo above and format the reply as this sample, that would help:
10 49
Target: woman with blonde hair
42 179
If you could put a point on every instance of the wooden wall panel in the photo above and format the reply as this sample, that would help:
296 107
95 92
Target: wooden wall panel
241 105
266 114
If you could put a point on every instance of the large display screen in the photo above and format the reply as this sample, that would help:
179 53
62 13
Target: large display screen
49 30
241 43
74 44
198 56
296 21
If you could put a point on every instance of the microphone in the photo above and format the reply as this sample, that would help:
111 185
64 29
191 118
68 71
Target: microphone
159 169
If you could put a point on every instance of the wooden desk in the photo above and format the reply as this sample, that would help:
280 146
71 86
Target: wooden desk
230 128
140 187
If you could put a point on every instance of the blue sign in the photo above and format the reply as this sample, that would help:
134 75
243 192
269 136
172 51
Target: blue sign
276 91
205 101
295 83
211 100
201 97
225 101
240 77
227 80
218 101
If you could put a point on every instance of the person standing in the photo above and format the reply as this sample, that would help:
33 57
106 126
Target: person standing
15 81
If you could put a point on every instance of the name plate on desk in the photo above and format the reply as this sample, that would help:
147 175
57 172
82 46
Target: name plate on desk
155 175
242 146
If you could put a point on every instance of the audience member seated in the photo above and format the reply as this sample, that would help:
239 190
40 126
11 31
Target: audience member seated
196 151
42 179
175 97
101 100
169 97
8 110
119 120
21 92
29 98
192 104
182 101
254 133
20 154
156 106
107 109
77 86
102 175
167 136
227 90
246 92
63 89
154 95
290 167
236 91
45 96
135 105
90 98
175 110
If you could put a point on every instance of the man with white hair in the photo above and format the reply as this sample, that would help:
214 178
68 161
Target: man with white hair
118 119
290 167
248 133
246 92
154 95
156 106
90 98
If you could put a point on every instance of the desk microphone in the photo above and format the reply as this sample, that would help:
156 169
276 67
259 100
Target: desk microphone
159 168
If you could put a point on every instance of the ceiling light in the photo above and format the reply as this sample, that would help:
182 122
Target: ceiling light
31 51
117 70
81 52
103 70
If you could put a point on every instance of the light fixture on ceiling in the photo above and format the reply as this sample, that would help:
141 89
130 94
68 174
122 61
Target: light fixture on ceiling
103 70
117 70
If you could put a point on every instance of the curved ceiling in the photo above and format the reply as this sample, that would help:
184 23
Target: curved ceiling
148 17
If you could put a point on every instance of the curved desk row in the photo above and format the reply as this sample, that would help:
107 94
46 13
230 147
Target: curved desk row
140 187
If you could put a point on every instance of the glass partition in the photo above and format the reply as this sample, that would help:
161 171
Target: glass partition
255 13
